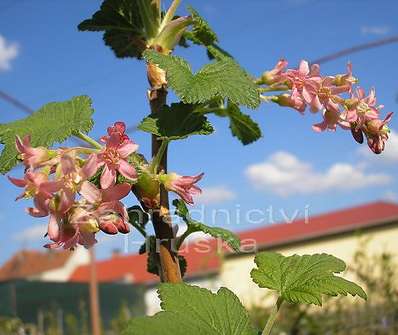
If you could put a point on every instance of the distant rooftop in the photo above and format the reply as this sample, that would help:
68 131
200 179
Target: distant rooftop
28 263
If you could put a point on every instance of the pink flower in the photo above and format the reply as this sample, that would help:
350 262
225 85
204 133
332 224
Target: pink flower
331 119
117 128
362 108
69 178
36 185
114 158
184 186
274 76
303 81
376 132
73 232
326 96
346 80
106 208
295 101
32 157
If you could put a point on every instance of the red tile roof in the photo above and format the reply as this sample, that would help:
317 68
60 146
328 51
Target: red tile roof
345 220
28 263
133 267
199 263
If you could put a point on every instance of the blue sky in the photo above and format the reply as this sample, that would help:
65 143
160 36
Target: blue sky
44 58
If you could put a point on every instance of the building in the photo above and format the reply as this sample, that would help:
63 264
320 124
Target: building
338 233
49 265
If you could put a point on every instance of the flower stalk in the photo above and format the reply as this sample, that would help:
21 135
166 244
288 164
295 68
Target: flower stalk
272 317
88 140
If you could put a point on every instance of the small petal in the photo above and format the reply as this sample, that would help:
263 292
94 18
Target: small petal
127 149
127 170
17 182
53 228
90 192
116 192
90 167
108 177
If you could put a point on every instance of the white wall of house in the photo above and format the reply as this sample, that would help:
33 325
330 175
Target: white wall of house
80 256
235 272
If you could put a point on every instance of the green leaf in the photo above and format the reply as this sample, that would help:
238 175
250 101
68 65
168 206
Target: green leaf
122 25
194 226
176 122
138 218
193 310
222 78
303 279
54 122
215 51
201 32
242 126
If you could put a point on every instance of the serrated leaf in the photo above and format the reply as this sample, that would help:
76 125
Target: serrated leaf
242 126
193 310
53 123
122 26
176 122
195 226
201 32
215 51
303 279
138 218
222 78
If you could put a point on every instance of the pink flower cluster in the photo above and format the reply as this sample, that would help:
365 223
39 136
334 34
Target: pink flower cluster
355 111
80 190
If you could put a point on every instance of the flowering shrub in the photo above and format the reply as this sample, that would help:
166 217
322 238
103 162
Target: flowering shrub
81 188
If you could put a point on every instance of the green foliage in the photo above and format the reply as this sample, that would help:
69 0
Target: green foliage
303 279
149 247
195 226
340 315
176 122
242 125
54 122
122 25
201 32
138 218
215 51
222 78
195 311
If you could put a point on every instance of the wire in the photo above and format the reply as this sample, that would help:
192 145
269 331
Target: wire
16 102
356 48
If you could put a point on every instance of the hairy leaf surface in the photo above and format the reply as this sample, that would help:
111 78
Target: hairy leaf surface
53 123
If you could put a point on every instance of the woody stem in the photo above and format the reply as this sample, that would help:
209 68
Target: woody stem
169 269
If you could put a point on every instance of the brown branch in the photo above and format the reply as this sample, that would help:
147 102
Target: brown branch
169 270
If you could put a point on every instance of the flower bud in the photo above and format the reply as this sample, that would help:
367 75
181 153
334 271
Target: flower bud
184 186
147 189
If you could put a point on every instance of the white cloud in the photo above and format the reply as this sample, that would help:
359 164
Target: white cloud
390 153
284 174
8 51
214 195
375 30
390 196
31 234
